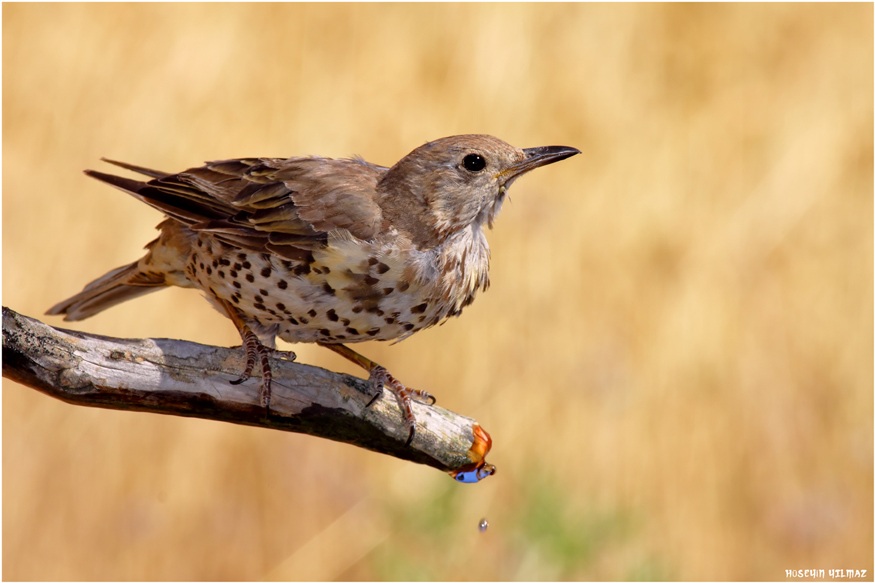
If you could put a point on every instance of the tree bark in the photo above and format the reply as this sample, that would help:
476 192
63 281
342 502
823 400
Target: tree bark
176 377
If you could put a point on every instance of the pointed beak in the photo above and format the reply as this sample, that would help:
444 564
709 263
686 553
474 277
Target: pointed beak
537 157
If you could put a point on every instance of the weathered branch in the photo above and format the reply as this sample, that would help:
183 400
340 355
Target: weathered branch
176 377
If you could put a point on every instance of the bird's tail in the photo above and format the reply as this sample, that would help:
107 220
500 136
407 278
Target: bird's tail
117 286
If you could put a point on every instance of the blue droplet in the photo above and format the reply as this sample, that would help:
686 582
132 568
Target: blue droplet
475 475
470 477
484 524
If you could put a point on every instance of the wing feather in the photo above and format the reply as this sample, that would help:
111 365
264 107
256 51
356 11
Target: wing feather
285 206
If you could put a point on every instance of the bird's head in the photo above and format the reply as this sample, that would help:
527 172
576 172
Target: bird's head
452 183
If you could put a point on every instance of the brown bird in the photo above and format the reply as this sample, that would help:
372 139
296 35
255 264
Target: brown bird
331 251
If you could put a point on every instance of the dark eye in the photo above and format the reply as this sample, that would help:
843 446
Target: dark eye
474 163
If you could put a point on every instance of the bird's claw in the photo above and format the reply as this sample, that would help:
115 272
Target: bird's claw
381 379
256 351
286 355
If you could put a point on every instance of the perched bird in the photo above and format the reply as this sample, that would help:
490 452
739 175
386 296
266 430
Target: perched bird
331 251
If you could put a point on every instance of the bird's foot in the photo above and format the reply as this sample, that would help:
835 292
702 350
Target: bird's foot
286 355
381 379
258 352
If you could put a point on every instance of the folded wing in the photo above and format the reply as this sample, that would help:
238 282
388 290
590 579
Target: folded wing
284 206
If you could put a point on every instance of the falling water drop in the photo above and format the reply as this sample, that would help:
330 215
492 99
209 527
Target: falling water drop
484 524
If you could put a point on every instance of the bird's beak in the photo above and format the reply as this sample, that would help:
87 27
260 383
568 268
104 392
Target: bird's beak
537 157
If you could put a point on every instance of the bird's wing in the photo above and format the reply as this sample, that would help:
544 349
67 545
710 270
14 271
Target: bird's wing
282 205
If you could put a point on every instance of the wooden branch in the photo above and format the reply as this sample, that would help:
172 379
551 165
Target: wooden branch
176 377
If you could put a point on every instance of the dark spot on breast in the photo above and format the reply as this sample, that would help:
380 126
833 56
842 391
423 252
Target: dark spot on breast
357 309
215 262
258 298
302 269
281 306
312 313
382 268
265 272
221 274
247 265
209 270
282 284
408 326
373 261
325 332
389 320
241 256
235 298
419 309
422 318
373 331
201 265
353 331
332 315
292 321
237 284
304 320
233 273
224 262
344 321
238 266
200 243
259 306
370 280
328 289
250 278
402 287
388 290
263 292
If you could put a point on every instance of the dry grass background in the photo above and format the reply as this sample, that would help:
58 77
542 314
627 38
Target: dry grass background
675 357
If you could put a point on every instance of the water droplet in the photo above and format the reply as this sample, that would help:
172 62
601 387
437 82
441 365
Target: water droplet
484 524
474 475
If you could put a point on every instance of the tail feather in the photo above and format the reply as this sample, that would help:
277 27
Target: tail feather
117 286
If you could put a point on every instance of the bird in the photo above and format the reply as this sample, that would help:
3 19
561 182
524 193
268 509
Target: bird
331 251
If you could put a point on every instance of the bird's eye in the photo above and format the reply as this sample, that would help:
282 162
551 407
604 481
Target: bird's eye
474 162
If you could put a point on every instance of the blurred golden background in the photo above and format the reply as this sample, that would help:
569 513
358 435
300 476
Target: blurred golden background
674 359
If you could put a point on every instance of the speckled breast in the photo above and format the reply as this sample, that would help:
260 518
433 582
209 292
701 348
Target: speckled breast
346 291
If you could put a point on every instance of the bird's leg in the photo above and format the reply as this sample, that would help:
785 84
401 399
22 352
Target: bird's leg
255 351
380 378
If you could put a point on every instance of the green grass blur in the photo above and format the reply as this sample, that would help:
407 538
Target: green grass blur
675 357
